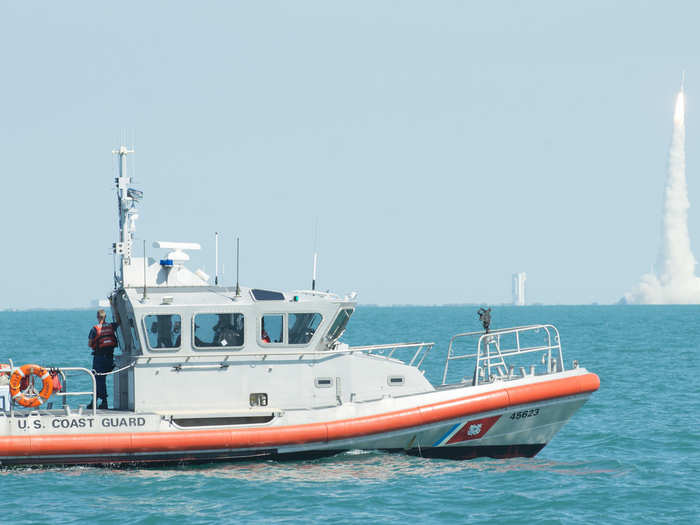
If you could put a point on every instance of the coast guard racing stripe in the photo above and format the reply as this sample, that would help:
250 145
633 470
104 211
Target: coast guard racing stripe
474 429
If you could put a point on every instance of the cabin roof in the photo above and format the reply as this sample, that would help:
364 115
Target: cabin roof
206 296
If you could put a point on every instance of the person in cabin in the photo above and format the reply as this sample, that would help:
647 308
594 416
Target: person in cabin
263 334
225 333
102 340
164 328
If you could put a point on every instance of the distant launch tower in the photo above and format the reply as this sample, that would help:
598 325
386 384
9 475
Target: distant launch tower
519 289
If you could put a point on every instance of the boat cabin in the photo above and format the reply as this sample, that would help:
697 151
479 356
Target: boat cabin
187 346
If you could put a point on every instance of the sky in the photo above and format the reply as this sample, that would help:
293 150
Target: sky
440 146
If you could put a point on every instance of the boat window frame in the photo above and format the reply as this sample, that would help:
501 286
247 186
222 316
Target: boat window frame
286 332
340 312
146 331
217 348
135 342
258 330
129 336
285 329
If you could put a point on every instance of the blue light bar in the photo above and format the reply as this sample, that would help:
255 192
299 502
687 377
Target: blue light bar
166 263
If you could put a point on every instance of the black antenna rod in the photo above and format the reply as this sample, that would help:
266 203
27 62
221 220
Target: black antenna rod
216 258
313 275
143 299
238 254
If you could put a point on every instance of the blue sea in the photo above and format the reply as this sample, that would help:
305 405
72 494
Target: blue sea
630 455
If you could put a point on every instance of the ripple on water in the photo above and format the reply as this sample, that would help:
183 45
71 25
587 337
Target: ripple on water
629 456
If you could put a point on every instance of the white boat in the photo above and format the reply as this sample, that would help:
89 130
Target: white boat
209 372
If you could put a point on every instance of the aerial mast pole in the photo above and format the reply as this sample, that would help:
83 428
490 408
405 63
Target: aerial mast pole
313 275
216 258
126 198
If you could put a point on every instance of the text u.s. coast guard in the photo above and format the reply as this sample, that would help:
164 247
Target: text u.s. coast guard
84 423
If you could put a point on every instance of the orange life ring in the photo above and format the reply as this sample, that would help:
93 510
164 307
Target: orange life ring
30 400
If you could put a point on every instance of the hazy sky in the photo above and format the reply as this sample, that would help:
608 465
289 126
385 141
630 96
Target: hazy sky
441 145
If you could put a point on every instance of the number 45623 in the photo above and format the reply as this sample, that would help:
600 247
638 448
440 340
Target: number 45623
525 413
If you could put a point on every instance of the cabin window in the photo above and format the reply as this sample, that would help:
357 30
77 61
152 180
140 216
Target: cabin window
266 295
271 328
302 327
218 330
163 331
338 326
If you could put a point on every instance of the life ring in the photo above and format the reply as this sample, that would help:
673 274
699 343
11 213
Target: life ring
30 400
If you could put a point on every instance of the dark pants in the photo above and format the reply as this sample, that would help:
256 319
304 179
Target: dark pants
102 363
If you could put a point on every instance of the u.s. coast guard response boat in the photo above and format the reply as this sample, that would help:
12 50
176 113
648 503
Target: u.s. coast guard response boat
209 372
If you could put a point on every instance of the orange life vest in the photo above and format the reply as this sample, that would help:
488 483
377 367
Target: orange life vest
104 337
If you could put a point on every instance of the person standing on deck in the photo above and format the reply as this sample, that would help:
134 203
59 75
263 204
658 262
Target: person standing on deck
102 340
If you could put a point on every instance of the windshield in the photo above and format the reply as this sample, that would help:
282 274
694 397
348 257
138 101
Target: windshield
302 327
338 326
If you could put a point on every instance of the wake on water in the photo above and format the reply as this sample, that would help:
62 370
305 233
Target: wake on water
674 280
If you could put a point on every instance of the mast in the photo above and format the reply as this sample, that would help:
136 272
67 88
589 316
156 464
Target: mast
127 198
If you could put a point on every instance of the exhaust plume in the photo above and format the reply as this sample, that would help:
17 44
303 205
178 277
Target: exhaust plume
673 280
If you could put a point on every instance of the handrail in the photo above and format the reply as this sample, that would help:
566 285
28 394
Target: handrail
342 350
65 394
490 352
94 386
397 346
422 350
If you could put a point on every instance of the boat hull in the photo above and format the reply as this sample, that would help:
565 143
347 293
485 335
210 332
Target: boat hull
500 421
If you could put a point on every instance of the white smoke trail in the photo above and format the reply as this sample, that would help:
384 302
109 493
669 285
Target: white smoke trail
674 280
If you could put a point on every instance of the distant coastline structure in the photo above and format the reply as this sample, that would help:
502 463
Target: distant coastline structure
519 289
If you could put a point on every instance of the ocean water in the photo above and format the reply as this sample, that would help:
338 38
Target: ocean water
630 455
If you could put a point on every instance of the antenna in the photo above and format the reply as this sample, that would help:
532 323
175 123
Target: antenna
216 258
313 275
238 254
143 299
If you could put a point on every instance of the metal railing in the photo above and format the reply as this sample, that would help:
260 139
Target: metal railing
65 392
64 383
421 352
493 350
